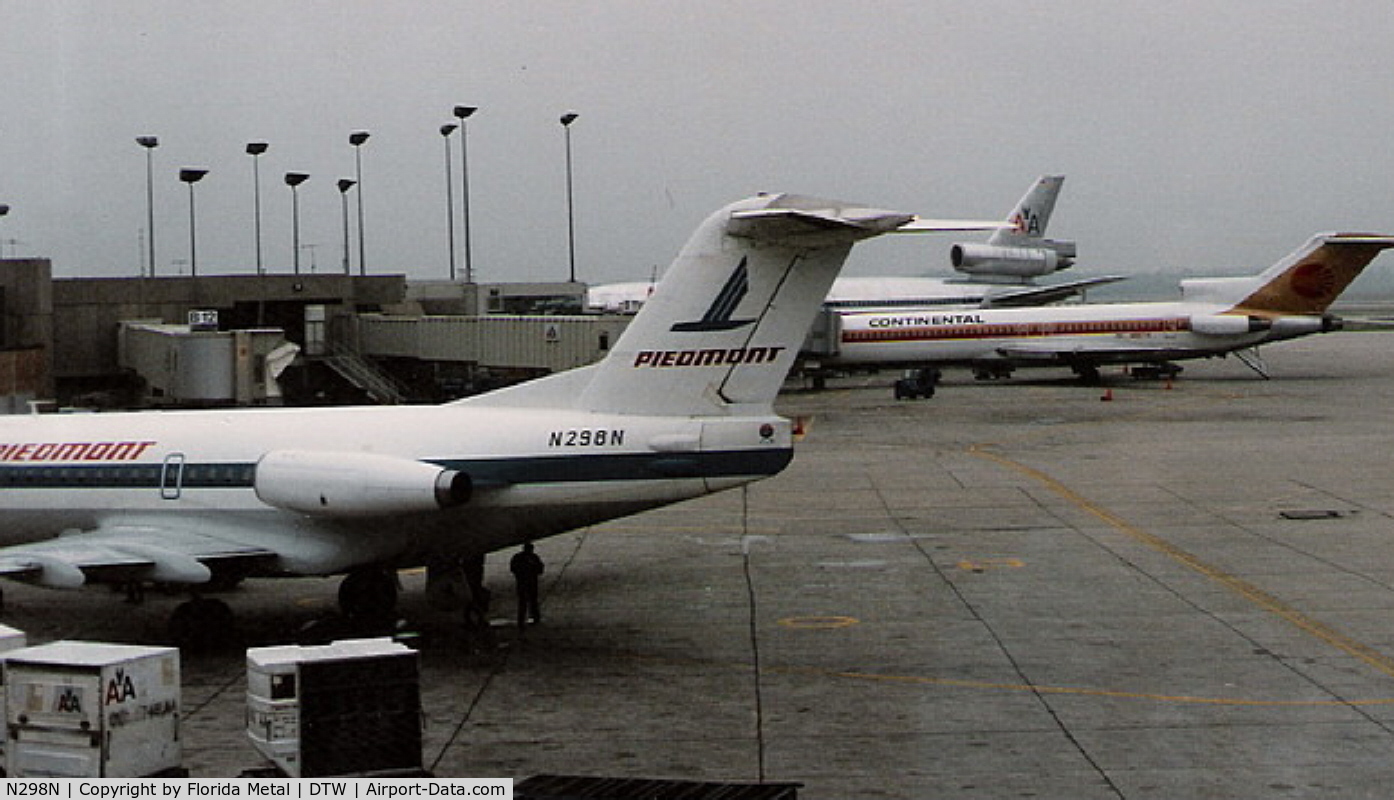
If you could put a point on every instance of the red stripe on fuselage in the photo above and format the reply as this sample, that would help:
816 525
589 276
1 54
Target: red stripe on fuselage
1017 330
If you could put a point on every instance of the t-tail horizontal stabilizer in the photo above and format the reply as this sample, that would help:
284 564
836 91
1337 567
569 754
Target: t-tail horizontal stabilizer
724 325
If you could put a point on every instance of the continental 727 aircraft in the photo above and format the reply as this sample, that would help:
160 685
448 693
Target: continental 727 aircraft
1215 316
681 407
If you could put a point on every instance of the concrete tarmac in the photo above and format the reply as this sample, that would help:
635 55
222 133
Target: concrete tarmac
1014 589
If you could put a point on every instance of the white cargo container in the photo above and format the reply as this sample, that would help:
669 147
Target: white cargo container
10 639
92 710
351 707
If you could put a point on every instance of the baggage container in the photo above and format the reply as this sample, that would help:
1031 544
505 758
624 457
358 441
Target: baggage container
92 710
10 639
351 707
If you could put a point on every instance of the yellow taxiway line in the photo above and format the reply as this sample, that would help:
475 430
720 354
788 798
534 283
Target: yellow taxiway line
1248 591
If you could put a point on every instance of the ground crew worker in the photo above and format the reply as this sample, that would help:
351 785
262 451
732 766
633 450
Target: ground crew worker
527 567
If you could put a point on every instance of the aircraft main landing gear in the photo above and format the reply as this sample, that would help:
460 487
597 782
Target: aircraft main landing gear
368 594
1088 373
1164 370
991 372
917 383
459 585
200 624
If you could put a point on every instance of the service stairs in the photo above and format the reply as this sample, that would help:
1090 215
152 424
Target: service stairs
365 375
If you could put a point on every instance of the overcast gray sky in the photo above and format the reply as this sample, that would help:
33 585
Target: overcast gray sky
1195 135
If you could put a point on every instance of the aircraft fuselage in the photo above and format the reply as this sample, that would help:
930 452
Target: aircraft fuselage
1094 333
531 473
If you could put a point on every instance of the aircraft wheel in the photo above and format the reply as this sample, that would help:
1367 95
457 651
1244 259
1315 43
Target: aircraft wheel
368 594
201 624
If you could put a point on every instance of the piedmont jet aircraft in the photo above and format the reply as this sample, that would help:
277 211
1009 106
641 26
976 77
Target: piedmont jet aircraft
1001 270
1215 316
681 407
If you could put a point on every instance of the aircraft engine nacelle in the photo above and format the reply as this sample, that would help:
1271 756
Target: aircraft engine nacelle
331 484
1015 262
1301 325
1228 324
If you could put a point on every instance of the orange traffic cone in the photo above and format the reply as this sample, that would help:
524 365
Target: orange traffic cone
1108 396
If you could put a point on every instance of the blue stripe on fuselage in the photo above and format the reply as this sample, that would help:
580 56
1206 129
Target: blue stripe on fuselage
482 471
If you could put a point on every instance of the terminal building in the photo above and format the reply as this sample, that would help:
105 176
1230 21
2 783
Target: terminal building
106 343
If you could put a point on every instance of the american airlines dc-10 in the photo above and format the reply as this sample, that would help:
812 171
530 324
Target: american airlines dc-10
1000 272
681 407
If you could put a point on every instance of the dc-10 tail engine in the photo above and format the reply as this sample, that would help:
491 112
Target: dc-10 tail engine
330 484
1013 262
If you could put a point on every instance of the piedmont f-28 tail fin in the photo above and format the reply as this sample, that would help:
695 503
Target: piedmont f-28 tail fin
724 325
1306 281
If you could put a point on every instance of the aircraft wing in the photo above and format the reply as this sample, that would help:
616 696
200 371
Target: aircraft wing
1044 295
927 225
119 552
1048 351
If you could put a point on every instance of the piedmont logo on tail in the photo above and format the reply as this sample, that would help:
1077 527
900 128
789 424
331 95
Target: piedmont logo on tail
718 316
706 358
681 407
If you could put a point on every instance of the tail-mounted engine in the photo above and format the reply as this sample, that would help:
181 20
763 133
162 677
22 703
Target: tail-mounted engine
356 484
1228 324
1015 262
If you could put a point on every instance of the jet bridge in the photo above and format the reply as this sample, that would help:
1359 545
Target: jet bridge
181 366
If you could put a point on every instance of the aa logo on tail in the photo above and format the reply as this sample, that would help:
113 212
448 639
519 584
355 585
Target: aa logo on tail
1026 222
718 316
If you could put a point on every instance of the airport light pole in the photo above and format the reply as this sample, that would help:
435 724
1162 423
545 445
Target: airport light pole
445 131
357 138
344 185
255 149
150 143
566 120
293 180
464 113
191 176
